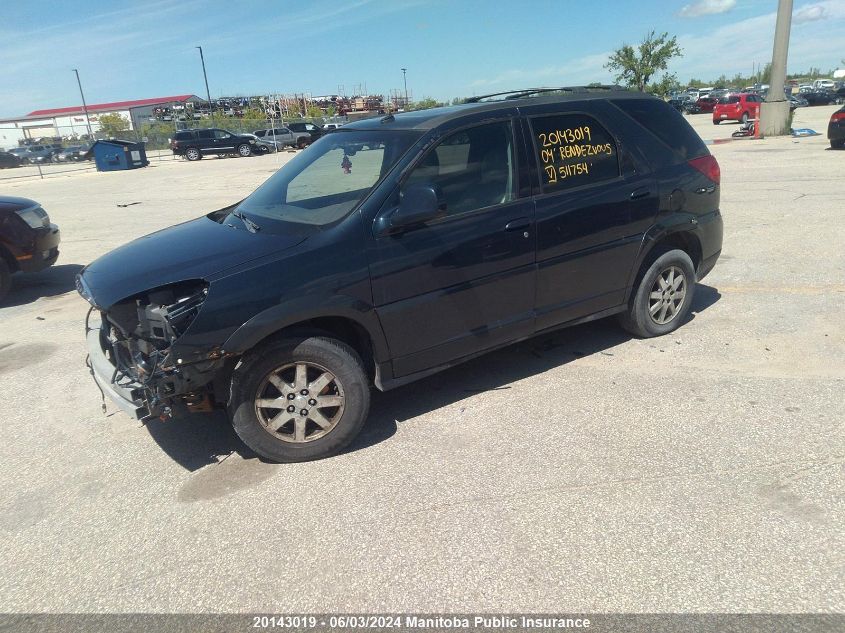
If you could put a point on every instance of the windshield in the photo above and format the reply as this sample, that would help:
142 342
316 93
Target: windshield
325 182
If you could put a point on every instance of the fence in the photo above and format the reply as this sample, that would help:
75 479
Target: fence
155 134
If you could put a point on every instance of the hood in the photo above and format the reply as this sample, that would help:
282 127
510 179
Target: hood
194 250
9 203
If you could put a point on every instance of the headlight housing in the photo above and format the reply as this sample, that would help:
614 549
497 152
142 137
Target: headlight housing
35 217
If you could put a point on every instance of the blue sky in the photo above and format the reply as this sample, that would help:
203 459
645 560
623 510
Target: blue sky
132 50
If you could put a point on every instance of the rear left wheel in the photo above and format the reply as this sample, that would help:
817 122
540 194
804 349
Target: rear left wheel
663 297
300 399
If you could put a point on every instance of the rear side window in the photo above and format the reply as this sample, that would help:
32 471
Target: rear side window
573 150
667 124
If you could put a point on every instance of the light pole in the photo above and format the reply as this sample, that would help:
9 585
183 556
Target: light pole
207 92
774 112
405 80
84 106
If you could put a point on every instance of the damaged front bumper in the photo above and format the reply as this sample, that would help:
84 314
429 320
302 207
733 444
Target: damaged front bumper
133 397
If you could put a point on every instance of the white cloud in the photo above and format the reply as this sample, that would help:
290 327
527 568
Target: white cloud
809 13
706 7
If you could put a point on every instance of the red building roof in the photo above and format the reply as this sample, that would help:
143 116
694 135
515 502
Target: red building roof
115 105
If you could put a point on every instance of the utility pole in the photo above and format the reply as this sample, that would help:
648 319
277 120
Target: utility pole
207 92
84 106
774 113
405 80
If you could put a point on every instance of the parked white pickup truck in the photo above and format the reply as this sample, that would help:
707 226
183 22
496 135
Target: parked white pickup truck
283 137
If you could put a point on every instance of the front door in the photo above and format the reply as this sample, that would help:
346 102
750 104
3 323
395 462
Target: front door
464 282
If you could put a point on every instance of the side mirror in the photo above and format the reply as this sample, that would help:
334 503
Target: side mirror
420 203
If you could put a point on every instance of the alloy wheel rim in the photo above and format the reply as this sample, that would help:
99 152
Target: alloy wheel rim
300 402
192 153
667 295
244 150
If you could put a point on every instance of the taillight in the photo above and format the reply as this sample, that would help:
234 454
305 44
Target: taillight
709 166
838 116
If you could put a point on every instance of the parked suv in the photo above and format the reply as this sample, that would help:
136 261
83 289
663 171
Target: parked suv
28 241
398 246
284 137
737 107
194 144
314 131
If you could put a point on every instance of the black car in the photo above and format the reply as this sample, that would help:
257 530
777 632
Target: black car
74 153
836 129
28 242
194 144
819 97
8 160
314 131
398 246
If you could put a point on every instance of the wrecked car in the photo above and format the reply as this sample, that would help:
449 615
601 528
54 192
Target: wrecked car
399 246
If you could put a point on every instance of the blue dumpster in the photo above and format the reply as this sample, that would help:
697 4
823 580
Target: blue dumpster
115 155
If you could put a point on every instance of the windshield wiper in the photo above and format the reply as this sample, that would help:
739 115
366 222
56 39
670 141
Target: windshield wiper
251 226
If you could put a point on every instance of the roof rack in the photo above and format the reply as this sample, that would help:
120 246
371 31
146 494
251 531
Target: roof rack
519 94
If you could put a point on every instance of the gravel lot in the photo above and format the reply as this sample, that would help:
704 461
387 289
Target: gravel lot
582 471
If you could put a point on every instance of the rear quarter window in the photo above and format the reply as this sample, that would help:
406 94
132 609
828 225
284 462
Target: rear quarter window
667 124
184 136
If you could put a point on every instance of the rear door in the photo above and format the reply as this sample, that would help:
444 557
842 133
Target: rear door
205 141
464 282
588 194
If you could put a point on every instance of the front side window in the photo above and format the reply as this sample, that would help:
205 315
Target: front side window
573 150
220 134
471 169
325 182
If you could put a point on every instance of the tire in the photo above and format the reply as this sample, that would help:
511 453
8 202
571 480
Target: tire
638 319
295 440
244 150
744 118
302 144
5 279
837 143
192 154
716 122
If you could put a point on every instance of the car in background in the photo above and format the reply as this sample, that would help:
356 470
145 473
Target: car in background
819 97
196 143
796 101
824 84
73 153
22 153
40 154
8 160
28 241
314 131
284 137
706 104
836 129
737 107
261 146
329 127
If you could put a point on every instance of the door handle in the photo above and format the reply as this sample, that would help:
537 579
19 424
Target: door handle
518 225
642 192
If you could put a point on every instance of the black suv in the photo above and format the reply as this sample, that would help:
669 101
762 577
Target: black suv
395 247
193 144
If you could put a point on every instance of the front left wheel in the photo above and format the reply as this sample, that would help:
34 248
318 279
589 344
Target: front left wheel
299 399
244 150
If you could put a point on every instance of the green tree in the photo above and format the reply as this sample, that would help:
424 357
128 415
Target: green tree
331 110
112 124
636 66
314 112
425 104
668 83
